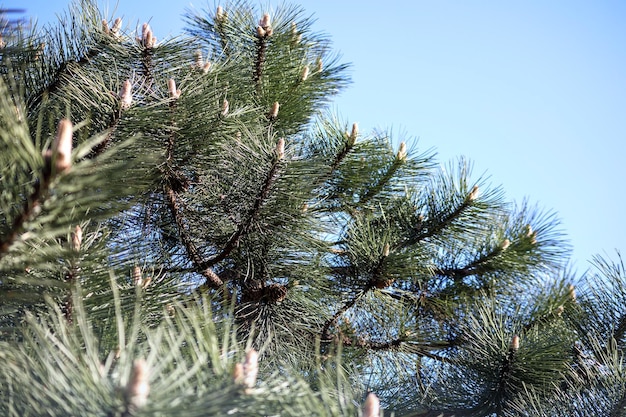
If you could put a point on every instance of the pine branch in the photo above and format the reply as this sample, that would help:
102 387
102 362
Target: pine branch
30 209
253 212
389 174
63 72
325 335
479 266
435 227
173 182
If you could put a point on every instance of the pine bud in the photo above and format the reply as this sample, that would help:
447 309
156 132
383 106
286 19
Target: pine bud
353 134
371 407
386 250
515 343
265 21
126 95
117 26
305 73
280 148
76 239
505 244
171 86
138 386
2 42
148 40
529 230
571 290
260 32
274 111
473 194
206 67
319 65
245 373
559 310
105 26
401 156
225 106
61 151
146 282
137 276
219 14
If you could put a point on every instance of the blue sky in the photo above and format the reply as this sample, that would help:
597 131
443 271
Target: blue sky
533 92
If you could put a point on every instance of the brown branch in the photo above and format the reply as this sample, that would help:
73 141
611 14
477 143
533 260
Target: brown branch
476 267
252 214
325 335
173 183
65 69
31 205
431 231
261 47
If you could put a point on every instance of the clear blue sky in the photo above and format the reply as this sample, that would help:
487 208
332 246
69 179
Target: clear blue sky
533 92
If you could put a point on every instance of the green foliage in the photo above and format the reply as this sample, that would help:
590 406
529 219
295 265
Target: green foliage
212 210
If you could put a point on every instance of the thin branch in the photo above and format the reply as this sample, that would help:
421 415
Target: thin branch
244 227
350 303
64 70
30 210
384 180
172 183
439 226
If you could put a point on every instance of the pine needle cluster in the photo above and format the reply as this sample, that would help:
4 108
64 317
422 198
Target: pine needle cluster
186 230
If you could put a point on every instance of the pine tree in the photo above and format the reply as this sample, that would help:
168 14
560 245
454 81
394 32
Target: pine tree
186 230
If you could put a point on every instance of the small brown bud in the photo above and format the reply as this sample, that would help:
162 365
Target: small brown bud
146 282
265 21
559 310
105 26
76 239
238 373
206 67
61 151
528 230
401 155
305 73
138 386
219 14
137 276
319 65
246 373
371 407
353 134
117 26
260 32
505 244
280 148
171 86
225 107
126 95
274 111
515 343
473 194
148 40
571 290
386 250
